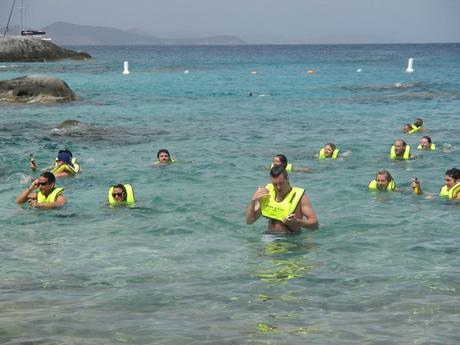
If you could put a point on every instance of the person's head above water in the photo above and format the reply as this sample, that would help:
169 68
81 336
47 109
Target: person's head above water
329 149
383 178
64 156
400 147
407 128
163 156
280 160
46 182
452 177
119 193
425 143
280 180
418 122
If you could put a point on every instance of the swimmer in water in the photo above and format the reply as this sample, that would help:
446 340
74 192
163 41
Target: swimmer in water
400 150
281 160
43 193
163 157
329 151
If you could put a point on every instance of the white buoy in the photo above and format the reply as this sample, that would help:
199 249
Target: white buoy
125 68
359 70
409 68
186 71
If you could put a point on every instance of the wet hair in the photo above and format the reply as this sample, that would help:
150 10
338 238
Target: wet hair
427 138
386 173
403 142
121 187
418 122
162 151
66 151
454 173
49 176
283 160
277 171
333 147
123 190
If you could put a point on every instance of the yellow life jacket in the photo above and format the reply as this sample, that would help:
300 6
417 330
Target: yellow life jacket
129 196
271 208
451 193
432 147
158 162
415 129
288 167
323 156
406 154
390 188
444 193
67 168
41 198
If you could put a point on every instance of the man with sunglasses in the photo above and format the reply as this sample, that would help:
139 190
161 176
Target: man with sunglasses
43 193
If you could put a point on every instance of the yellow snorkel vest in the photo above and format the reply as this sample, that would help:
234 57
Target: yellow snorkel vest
288 167
171 161
406 154
451 193
41 198
129 196
390 188
323 156
444 193
432 147
273 209
67 168
415 129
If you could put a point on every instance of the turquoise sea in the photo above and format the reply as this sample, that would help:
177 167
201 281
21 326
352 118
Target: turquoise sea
183 267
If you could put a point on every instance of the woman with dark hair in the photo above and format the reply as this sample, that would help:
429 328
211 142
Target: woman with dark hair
329 151
426 144
281 160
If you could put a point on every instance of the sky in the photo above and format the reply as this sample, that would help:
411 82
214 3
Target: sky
289 21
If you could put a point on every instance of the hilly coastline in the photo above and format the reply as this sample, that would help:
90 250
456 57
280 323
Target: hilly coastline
71 34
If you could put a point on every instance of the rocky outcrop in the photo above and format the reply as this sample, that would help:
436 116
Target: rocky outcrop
17 48
35 89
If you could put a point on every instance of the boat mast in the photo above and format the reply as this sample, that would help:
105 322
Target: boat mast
20 17
9 19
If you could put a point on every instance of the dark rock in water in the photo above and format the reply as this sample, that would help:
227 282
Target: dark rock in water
69 123
28 49
35 89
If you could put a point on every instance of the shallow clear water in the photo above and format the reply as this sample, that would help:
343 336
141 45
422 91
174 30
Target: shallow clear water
183 267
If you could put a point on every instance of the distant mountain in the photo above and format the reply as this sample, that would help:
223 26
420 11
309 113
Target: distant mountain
71 34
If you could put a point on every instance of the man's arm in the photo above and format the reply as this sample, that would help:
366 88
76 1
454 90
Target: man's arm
27 193
309 220
61 174
60 201
253 210
301 169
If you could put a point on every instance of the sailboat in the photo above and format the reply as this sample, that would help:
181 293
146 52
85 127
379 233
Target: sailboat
25 32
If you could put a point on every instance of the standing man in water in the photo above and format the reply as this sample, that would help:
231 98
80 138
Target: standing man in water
287 208
43 193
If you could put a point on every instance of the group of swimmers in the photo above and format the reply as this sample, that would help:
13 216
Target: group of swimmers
43 192
287 208
399 150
